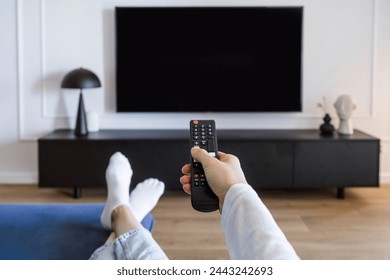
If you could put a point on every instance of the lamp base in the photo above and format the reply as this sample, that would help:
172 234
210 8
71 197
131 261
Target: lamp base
81 120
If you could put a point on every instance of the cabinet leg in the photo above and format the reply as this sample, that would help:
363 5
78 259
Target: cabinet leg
77 192
341 193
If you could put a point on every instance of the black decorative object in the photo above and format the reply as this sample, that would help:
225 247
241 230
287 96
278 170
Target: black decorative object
327 128
81 78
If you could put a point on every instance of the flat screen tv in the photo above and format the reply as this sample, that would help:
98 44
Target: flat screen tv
208 59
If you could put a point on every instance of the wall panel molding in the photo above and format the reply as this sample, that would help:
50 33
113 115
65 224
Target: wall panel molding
43 118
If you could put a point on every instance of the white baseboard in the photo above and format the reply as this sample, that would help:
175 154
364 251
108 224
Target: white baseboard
384 178
18 178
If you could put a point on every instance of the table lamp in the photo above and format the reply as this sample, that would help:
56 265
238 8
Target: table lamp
81 78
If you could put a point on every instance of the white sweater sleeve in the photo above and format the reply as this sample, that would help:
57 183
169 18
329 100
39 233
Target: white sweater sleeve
250 230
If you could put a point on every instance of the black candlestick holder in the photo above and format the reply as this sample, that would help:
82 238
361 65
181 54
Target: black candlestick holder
327 128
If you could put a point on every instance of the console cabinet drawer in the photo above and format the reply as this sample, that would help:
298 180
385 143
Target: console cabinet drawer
336 164
266 164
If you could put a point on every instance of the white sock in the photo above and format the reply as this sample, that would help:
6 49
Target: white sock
118 177
145 197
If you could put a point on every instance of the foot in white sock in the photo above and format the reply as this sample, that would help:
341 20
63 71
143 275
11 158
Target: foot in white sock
145 197
118 177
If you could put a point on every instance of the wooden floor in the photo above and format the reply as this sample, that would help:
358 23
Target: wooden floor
318 225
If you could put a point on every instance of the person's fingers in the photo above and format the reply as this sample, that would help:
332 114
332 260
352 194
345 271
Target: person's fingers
186 169
201 155
186 179
187 188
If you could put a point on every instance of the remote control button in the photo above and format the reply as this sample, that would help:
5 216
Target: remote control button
211 146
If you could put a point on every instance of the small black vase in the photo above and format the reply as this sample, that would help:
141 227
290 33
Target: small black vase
327 128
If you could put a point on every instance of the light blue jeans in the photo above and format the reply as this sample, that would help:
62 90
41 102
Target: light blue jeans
137 244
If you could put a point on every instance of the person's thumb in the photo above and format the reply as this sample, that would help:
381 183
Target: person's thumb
201 155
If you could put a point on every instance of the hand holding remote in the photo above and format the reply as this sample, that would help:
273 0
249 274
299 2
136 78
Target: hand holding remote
221 173
210 173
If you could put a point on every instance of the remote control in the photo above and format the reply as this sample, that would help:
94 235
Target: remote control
202 134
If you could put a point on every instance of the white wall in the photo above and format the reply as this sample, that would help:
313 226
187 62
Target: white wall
346 51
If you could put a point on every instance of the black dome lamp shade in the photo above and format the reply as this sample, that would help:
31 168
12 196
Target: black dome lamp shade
81 78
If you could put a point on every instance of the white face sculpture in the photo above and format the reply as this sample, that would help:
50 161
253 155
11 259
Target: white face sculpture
344 107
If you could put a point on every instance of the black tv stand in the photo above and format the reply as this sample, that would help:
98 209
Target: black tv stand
296 158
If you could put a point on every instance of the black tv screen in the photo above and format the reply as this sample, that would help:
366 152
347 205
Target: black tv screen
208 59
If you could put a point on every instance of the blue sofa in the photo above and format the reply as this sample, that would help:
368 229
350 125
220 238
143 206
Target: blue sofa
52 231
